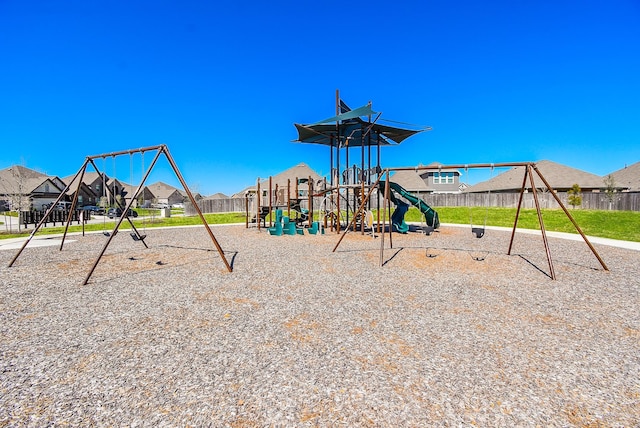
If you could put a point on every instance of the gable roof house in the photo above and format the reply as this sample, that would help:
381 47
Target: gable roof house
300 172
218 195
435 179
91 188
628 178
165 194
560 177
27 189
411 181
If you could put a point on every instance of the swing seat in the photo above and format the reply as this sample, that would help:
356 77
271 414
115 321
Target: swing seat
137 237
478 232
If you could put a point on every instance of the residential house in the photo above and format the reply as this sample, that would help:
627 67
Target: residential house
25 189
217 196
627 178
560 177
90 190
434 179
295 178
164 194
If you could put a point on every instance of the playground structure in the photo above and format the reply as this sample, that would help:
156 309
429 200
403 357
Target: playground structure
300 205
360 129
346 130
124 208
529 169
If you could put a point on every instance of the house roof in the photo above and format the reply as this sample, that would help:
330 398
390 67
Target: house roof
88 178
162 190
300 170
22 171
559 177
218 196
628 177
410 180
19 179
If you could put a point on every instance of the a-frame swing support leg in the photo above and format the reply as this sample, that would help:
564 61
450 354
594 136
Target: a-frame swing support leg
197 208
46 215
515 222
121 219
570 217
73 205
541 221
161 149
529 173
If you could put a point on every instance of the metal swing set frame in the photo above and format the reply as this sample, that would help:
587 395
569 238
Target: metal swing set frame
529 169
90 160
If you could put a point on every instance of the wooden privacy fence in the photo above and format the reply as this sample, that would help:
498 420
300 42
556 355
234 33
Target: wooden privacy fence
627 201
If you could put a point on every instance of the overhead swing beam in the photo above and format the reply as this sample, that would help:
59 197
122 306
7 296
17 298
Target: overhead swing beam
161 149
529 167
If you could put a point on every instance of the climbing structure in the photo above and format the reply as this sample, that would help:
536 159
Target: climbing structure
350 130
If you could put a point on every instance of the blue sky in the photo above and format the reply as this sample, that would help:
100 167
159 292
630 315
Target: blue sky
223 84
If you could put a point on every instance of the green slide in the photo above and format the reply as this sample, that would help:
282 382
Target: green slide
397 218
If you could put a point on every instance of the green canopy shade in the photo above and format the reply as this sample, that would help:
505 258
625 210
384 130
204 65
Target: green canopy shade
352 131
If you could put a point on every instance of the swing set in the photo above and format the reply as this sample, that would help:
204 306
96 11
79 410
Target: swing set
529 169
126 207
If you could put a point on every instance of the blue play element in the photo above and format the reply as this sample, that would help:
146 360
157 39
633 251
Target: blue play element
315 226
276 229
397 218
284 226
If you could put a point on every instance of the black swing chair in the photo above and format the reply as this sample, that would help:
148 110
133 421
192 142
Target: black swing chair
135 235
479 231
104 198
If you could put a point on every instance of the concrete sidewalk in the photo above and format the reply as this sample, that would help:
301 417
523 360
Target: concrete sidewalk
49 240
562 235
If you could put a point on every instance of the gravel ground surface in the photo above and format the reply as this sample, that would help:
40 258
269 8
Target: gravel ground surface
300 336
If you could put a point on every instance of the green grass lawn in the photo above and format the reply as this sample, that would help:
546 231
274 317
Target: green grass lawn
141 224
623 225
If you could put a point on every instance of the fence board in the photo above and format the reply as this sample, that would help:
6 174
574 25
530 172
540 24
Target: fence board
627 201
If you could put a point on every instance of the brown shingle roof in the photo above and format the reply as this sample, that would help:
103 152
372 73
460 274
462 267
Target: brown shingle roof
19 179
162 190
628 177
560 177
300 171
410 180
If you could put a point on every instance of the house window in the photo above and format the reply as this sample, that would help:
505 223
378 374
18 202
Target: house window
46 188
443 178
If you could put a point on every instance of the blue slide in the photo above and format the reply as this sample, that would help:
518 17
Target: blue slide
397 218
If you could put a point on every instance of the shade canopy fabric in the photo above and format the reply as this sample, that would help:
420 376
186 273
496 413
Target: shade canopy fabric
352 131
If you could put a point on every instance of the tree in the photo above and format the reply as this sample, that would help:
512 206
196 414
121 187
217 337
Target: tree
575 196
610 189
14 187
